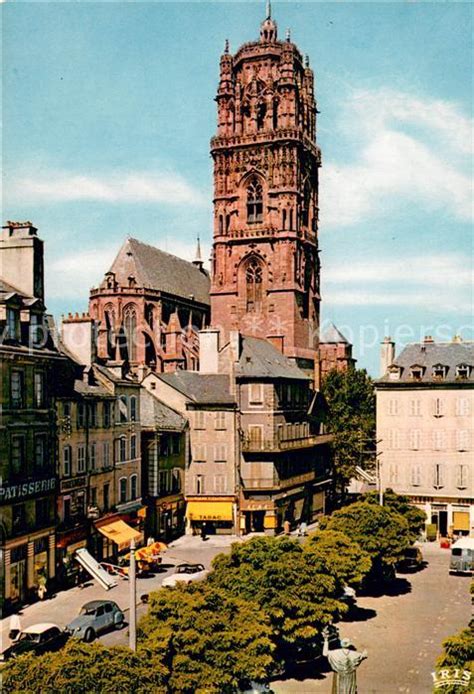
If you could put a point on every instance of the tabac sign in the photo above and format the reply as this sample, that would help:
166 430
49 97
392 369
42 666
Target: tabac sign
10 493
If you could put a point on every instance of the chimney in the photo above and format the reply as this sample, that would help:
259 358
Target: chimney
79 336
21 258
209 351
387 355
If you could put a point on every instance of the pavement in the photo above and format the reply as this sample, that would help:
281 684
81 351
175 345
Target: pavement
61 608
402 632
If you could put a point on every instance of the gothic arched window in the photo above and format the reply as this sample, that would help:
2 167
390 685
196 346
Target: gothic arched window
253 285
254 201
306 204
109 317
261 111
130 330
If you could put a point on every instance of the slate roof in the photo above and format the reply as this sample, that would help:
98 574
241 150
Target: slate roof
333 335
260 359
155 414
201 388
154 269
87 389
7 291
429 354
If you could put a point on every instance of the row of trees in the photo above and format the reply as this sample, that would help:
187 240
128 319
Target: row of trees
262 608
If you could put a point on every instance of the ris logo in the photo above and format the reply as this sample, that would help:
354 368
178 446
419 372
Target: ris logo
451 677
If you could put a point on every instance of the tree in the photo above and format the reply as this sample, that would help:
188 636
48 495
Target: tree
336 554
381 532
210 641
414 516
351 401
458 655
296 593
84 668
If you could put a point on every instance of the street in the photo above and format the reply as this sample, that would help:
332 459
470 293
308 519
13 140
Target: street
65 605
402 633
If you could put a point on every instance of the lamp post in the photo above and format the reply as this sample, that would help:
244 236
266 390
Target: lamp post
132 577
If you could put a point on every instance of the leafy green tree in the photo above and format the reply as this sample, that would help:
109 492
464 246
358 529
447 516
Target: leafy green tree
337 555
211 640
414 516
458 654
381 532
296 593
82 669
351 401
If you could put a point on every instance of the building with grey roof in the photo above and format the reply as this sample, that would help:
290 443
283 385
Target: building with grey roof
425 407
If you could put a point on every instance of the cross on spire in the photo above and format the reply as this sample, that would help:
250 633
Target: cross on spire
269 10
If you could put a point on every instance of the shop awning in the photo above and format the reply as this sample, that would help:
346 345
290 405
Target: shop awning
461 520
119 532
209 511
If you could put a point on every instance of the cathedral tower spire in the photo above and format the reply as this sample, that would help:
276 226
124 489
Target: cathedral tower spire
265 268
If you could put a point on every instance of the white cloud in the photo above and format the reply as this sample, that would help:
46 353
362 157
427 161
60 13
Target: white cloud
396 165
132 187
72 276
438 283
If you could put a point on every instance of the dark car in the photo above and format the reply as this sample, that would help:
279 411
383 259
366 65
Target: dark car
412 560
94 617
37 639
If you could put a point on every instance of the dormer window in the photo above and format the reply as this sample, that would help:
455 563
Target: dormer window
394 373
463 371
439 371
416 372
12 324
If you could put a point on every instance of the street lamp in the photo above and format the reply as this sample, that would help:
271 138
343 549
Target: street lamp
132 577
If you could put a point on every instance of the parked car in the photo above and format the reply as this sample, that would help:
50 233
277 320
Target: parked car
462 556
412 560
37 639
95 617
186 573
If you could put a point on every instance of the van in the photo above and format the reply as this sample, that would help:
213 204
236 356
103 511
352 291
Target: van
462 556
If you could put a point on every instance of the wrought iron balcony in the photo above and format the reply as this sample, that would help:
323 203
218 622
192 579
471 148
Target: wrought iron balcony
278 443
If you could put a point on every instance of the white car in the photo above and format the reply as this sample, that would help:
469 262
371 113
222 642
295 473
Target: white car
186 573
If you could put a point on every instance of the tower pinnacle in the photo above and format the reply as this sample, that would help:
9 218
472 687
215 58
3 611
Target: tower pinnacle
198 256
268 14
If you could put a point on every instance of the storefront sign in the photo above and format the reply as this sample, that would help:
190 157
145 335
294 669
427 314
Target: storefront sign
18 492
75 483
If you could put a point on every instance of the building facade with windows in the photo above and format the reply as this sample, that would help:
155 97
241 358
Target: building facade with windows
29 361
425 414
211 474
165 441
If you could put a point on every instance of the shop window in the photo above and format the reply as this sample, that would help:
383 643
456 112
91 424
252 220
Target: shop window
80 504
66 508
133 486
18 455
122 490
17 389
67 461
81 459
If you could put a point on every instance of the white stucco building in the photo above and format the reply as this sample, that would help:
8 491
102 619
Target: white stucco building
425 407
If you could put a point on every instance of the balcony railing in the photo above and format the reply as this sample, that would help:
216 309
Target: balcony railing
275 444
276 483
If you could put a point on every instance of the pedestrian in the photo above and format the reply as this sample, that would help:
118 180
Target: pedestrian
287 527
203 532
303 528
15 627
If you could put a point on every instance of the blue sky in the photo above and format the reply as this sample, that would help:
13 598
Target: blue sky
108 111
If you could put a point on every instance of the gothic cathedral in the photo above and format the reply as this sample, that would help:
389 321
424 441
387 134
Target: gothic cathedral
265 273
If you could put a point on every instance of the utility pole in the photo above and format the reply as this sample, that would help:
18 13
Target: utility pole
132 577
